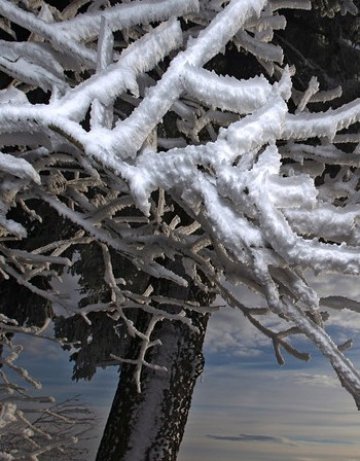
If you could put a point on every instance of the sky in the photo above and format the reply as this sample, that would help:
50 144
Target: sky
245 406
248 408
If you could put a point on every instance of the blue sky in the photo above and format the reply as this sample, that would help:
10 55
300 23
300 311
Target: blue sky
245 406
259 412
248 408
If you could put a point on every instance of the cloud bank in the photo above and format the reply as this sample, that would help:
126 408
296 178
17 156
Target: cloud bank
252 438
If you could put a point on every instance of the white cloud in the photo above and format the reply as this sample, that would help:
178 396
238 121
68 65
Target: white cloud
307 459
306 407
230 332
335 284
347 286
345 319
252 438
314 379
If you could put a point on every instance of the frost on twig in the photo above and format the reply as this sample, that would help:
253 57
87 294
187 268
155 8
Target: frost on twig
33 425
148 157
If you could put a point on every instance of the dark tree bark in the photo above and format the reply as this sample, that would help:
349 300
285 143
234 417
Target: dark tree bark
149 426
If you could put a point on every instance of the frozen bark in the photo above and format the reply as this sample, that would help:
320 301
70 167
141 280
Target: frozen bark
150 425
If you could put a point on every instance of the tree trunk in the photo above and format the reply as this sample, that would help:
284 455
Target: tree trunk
149 426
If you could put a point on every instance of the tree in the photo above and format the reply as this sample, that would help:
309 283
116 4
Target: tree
118 118
32 426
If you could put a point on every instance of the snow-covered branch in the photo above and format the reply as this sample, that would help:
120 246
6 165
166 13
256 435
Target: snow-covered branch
30 424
